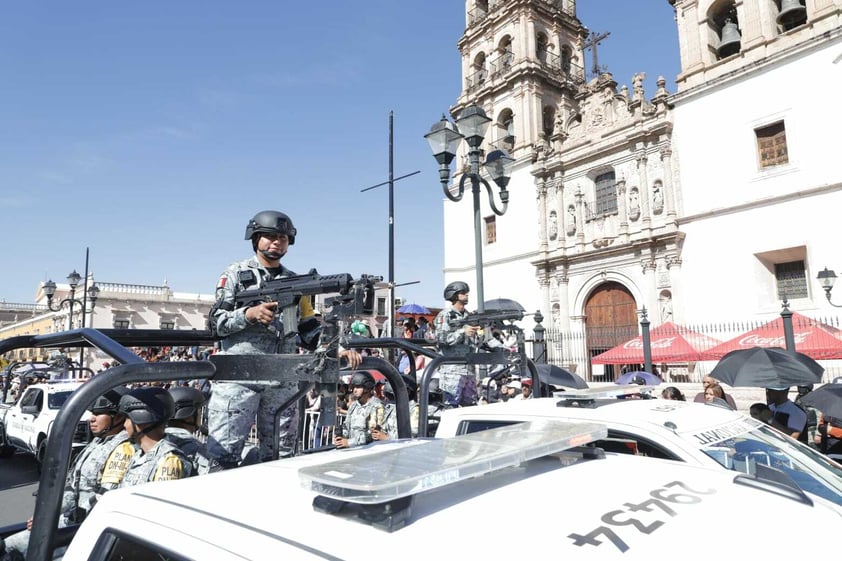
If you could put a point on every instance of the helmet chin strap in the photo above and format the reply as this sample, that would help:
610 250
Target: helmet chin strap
272 255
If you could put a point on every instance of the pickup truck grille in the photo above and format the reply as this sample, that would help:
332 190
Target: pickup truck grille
82 434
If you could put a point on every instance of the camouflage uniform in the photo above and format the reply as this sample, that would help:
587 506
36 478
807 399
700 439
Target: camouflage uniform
361 419
455 380
163 462
390 420
194 449
81 487
233 407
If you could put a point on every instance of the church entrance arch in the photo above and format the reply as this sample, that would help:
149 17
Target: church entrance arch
611 319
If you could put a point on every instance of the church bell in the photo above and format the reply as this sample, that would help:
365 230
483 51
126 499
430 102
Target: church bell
730 39
792 14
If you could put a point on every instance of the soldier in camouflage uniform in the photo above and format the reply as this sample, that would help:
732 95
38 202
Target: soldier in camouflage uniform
84 478
258 329
147 411
182 427
456 381
365 414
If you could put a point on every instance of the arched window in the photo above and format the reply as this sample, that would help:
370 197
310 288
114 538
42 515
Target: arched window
724 29
506 122
507 55
480 73
541 46
566 59
791 14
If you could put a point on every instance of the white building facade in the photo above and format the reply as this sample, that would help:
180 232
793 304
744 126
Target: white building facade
684 204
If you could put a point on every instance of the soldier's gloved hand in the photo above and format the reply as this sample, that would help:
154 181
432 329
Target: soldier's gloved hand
262 313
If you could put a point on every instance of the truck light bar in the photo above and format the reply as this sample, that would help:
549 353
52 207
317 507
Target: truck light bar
394 473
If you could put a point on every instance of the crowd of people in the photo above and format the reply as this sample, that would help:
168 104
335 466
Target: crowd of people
141 435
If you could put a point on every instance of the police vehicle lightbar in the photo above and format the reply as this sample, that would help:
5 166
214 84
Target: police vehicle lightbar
395 473
605 392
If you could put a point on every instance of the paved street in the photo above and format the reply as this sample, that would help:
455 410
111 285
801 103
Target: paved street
18 480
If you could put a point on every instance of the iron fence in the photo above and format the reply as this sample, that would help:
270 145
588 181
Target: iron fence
580 350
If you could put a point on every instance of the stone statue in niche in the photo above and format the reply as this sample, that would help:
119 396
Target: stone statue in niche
634 203
658 197
666 308
571 220
552 228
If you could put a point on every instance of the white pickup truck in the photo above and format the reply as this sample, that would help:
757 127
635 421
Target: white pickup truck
26 424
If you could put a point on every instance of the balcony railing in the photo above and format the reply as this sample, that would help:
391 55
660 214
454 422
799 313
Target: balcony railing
476 79
564 6
554 63
600 209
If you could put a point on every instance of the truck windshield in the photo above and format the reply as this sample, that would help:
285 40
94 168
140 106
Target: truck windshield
57 399
812 471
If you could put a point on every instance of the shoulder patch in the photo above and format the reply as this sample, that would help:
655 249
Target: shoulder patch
223 280
170 467
117 464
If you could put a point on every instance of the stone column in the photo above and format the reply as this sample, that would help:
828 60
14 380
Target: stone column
541 190
643 181
544 287
752 24
623 211
692 42
669 194
674 267
580 220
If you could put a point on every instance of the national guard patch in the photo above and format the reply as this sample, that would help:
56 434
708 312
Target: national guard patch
116 465
170 467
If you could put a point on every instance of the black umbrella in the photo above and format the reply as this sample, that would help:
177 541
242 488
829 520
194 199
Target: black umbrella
503 305
827 399
770 367
557 376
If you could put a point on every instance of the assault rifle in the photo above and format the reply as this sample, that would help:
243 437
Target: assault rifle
287 291
487 318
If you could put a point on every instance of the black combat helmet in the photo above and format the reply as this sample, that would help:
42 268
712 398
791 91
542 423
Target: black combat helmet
453 289
271 222
362 378
109 402
147 406
188 401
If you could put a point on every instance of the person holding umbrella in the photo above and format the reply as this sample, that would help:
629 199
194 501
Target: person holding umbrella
786 416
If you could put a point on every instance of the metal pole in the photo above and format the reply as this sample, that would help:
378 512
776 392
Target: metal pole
539 352
70 313
789 335
647 345
475 183
390 331
84 305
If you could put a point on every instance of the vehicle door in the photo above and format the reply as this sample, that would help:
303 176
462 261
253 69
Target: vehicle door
21 417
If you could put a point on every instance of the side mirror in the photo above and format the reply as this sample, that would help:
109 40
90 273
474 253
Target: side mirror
29 409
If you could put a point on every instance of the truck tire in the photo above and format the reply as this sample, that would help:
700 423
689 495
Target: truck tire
6 451
41 452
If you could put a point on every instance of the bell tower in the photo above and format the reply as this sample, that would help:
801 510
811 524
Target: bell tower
717 36
522 62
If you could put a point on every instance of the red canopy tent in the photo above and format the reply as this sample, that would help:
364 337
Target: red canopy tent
670 343
813 338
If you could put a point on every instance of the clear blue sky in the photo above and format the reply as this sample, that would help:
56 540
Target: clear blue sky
152 131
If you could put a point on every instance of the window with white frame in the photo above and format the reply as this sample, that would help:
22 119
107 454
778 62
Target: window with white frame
605 191
771 145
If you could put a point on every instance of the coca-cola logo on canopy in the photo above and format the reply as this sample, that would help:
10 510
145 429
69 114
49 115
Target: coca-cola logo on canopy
663 343
758 341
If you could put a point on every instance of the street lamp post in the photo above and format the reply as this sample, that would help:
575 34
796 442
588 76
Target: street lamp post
444 138
73 280
827 279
